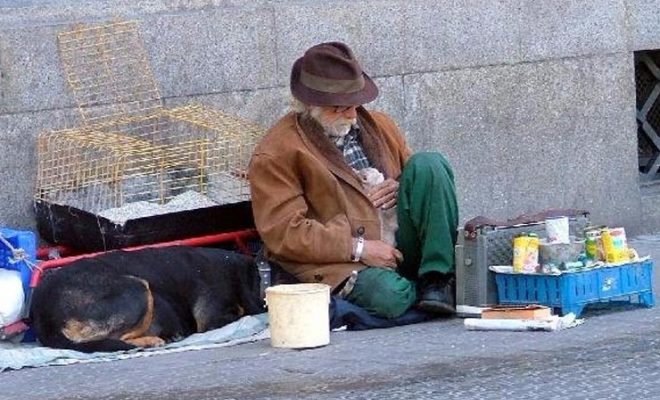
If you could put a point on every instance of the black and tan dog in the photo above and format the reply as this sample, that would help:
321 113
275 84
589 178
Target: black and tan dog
121 300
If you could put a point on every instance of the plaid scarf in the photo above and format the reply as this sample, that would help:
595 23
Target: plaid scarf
352 150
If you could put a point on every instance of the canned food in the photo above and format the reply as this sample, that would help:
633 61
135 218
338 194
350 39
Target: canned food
594 244
525 254
614 245
591 248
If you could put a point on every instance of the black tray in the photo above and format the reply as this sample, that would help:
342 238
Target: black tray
73 227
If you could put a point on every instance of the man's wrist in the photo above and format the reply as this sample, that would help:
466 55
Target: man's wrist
358 248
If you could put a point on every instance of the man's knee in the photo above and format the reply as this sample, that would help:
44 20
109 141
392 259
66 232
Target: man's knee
383 292
429 162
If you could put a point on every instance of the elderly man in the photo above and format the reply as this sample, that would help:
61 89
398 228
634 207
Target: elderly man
319 222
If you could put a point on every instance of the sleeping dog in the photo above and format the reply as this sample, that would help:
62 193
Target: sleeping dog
144 298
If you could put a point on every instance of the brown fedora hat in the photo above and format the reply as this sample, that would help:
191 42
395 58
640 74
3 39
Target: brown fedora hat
329 75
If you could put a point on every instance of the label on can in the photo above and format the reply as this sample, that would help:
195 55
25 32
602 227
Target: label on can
525 254
614 245
594 244
591 248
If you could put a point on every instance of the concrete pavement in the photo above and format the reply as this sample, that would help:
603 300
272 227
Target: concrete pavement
612 355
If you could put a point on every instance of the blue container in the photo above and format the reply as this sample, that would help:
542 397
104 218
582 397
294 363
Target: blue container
25 240
571 292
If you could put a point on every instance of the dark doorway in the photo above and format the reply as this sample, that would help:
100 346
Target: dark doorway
647 79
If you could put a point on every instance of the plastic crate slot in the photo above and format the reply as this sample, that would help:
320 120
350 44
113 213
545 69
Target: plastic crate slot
552 287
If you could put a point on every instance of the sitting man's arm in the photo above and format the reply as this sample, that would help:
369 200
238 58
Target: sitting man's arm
280 213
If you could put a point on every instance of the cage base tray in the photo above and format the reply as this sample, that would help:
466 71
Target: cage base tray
79 229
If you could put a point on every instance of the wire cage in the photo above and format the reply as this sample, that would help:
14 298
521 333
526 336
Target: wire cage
108 71
132 157
152 159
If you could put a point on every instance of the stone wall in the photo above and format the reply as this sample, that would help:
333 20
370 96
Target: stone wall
533 101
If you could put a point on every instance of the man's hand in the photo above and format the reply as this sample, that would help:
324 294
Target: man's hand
384 194
379 254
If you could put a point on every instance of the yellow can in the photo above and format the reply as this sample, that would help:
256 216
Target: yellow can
525 254
614 245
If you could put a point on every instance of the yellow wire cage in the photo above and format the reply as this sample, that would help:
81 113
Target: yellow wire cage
130 149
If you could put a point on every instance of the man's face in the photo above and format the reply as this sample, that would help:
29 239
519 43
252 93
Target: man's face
335 120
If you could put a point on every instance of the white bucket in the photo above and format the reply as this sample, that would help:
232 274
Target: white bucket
298 315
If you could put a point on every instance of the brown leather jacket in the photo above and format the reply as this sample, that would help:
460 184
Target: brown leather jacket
308 203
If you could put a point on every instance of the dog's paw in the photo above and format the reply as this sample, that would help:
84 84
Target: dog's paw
147 341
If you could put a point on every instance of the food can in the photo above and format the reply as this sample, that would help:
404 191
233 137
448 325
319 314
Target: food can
525 253
614 245
591 248
594 243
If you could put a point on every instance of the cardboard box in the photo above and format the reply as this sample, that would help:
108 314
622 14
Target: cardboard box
532 311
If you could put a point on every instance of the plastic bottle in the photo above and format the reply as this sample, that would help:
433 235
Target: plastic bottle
264 276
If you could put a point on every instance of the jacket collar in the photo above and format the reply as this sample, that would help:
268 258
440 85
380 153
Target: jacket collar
371 139
374 145
323 147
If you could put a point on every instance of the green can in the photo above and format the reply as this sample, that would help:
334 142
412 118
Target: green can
591 248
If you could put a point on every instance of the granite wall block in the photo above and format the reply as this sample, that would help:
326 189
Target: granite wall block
531 136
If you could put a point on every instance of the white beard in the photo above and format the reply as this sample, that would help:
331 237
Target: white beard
336 129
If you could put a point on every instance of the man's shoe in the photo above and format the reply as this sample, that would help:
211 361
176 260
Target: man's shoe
437 294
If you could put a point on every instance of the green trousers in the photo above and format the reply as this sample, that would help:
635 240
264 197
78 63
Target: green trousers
428 217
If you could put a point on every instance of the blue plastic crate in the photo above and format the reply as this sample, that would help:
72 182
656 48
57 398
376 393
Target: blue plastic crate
26 241
571 292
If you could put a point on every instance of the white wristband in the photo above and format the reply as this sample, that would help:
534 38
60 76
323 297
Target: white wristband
359 246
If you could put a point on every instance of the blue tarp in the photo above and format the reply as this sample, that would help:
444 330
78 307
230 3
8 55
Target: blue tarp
343 313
